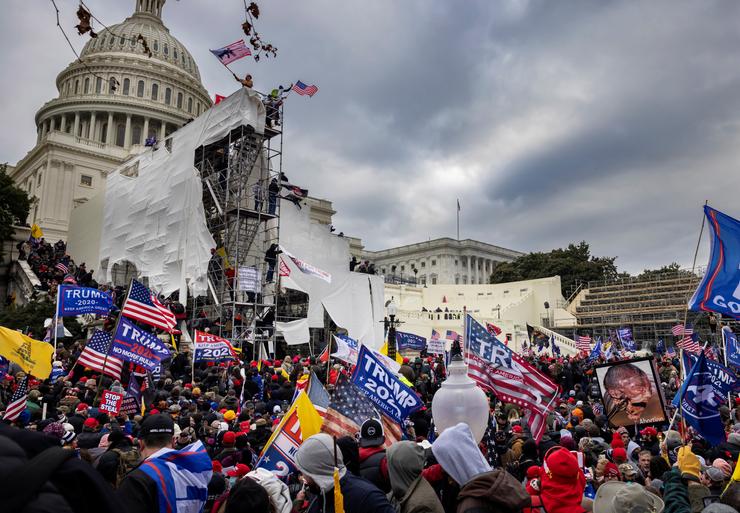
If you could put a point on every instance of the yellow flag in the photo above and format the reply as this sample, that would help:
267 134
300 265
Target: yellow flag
384 350
33 356
308 417
284 373
172 340
36 232
338 496
222 253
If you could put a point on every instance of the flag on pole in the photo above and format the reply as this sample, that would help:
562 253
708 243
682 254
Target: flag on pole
680 330
732 347
583 343
303 89
142 305
670 352
660 347
232 52
17 401
62 268
689 343
595 352
554 347
94 355
493 329
36 232
219 98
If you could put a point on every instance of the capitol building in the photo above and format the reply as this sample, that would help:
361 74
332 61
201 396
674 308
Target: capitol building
106 109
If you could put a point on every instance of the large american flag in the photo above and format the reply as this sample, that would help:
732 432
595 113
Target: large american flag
583 343
233 52
349 408
452 335
142 305
680 330
94 355
689 344
494 367
17 402
303 89
61 267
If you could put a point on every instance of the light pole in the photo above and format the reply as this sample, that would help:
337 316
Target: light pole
390 323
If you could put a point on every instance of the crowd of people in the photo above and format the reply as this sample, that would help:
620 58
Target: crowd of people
580 464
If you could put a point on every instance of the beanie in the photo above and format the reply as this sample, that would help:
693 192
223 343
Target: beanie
619 455
229 415
229 439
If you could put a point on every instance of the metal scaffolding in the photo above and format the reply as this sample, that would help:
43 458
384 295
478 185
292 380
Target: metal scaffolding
241 198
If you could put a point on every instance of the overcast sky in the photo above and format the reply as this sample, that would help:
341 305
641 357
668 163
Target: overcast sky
552 122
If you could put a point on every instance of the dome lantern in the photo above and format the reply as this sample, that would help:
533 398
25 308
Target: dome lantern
152 7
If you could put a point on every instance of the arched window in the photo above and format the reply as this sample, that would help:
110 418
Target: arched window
140 89
111 41
86 88
126 86
155 92
123 40
136 135
77 86
156 45
190 105
120 135
168 96
166 49
174 53
98 85
104 133
197 109
179 100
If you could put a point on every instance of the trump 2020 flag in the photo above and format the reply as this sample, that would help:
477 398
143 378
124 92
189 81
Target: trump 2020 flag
723 378
182 478
410 341
83 300
700 402
278 455
625 337
383 388
731 346
719 290
595 352
133 344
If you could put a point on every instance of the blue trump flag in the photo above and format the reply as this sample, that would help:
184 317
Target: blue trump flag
719 290
731 347
595 352
660 348
625 337
383 388
133 344
723 379
555 349
83 300
410 341
699 402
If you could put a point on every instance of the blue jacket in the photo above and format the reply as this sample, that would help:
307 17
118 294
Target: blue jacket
360 496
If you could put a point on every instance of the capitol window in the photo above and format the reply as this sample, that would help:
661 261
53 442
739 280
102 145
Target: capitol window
126 86
86 89
77 86
86 180
166 49
98 85
168 96
190 105
174 53
155 92
156 45
434 262
140 89
179 100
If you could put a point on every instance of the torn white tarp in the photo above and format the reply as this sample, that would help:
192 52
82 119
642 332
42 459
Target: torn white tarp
154 214
294 332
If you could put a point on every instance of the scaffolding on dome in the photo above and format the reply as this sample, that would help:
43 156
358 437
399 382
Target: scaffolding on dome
243 216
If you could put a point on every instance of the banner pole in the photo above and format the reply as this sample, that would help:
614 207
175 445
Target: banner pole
192 364
56 320
115 330
724 351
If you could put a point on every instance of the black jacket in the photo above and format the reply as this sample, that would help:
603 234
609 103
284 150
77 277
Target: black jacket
138 493
360 496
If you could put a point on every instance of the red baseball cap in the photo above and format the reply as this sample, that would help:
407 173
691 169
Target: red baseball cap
240 470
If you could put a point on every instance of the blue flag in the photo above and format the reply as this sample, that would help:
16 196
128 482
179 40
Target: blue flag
731 346
554 347
83 300
723 379
410 341
719 290
660 348
133 344
625 337
595 352
383 388
700 402
4 367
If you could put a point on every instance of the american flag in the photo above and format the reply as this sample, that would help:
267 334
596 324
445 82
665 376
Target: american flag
18 401
349 408
233 52
453 335
61 267
94 355
679 330
304 89
583 343
689 344
709 352
496 368
493 329
142 305
671 352
317 394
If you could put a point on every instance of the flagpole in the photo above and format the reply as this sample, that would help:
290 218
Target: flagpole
724 350
115 330
458 219
56 320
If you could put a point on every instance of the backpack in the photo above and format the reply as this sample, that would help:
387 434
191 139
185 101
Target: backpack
127 461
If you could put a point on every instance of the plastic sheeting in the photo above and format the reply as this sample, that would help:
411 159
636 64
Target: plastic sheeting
154 216
294 332
353 300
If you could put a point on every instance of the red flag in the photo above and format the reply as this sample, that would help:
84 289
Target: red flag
219 99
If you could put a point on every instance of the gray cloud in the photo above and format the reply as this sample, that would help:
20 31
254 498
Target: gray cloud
551 121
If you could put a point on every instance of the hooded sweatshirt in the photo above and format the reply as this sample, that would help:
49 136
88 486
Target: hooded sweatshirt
315 458
455 449
411 493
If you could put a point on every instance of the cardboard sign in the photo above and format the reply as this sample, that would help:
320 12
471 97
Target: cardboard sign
110 402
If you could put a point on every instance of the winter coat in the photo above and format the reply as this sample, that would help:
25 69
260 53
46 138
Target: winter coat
420 498
374 467
411 493
360 496
675 494
493 492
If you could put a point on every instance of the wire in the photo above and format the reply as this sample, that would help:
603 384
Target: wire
130 39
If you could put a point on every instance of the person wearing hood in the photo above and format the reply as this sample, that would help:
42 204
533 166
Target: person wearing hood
562 483
410 492
275 488
316 459
481 489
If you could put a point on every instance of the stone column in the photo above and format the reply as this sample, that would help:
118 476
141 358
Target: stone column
163 131
76 126
109 132
52 124
146 130
63 124
470 270
92 132
127 136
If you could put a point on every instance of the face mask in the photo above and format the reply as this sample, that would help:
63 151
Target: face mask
232 482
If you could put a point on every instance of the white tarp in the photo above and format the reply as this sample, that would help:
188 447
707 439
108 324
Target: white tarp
155 219
294 332
353 300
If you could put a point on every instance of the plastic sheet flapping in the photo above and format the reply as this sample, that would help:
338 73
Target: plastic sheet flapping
154 218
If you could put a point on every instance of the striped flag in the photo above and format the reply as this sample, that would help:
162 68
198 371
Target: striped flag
304 89
493 329
689 344
680 330
452 335
18 401
231 53
583 343
61 267
94 355
671 352
142 305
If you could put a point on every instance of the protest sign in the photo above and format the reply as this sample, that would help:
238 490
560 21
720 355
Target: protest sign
110 402
211 348
133 344
435 344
